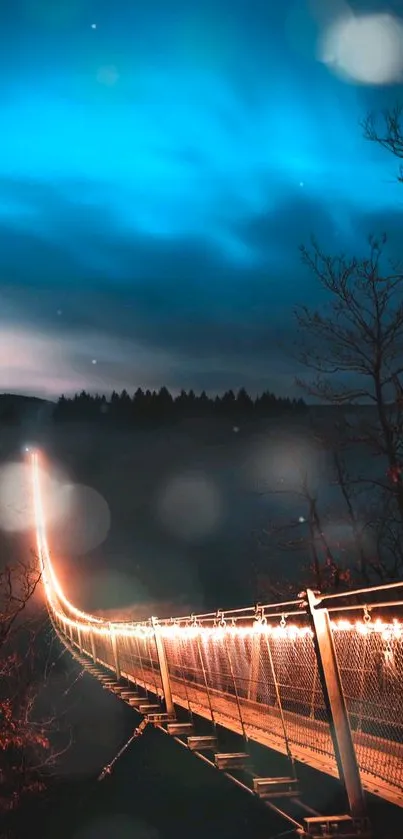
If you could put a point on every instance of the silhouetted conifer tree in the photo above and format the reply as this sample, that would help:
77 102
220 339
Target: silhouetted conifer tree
158 407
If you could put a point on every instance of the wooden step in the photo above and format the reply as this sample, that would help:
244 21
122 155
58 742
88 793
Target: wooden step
160 717
147 708
275 787
127 696
178 728
202 744
231 760
341 827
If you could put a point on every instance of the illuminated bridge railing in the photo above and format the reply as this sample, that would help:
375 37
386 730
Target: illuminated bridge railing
319 679
264 673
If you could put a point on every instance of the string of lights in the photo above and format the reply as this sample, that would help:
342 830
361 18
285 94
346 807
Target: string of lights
70 616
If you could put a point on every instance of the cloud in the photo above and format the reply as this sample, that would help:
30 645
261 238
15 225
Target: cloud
156 179
148 313
50 364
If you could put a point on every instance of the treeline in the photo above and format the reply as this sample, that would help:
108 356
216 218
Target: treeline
146 407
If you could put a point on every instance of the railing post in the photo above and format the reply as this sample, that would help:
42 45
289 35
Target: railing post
93 650
164 671
115 652
329 673
80 645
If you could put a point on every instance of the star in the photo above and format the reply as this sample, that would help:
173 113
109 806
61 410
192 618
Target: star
94 361
93 26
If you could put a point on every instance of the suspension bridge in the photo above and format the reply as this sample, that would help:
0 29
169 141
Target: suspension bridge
318 679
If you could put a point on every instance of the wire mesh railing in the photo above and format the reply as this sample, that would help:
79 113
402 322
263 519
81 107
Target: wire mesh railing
370 662
258 671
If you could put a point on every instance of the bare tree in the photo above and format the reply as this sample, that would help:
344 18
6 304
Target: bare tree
390 136
354 347
27 741
18 583
319 525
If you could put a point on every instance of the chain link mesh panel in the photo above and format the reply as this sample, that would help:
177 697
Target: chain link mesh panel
86 642
104 650
289 683
371 670
138 658
264 683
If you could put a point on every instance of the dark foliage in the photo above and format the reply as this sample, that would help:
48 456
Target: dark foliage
160 407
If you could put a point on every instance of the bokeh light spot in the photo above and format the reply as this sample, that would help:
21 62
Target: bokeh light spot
190 507
366 48
16 497
282 464
83 519
77 516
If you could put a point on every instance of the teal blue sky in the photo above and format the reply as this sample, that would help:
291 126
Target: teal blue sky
158 170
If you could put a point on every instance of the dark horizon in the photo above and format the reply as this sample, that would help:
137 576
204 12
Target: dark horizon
309 401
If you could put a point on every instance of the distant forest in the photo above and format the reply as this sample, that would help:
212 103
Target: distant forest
146 407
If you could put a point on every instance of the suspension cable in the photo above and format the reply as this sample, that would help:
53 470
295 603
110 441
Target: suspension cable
107 770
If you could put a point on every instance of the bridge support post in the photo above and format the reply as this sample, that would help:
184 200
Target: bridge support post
115 653
336 706
93 650
80 643
164 671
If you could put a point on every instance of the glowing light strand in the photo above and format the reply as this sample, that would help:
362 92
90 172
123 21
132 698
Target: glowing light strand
79 620
53 589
